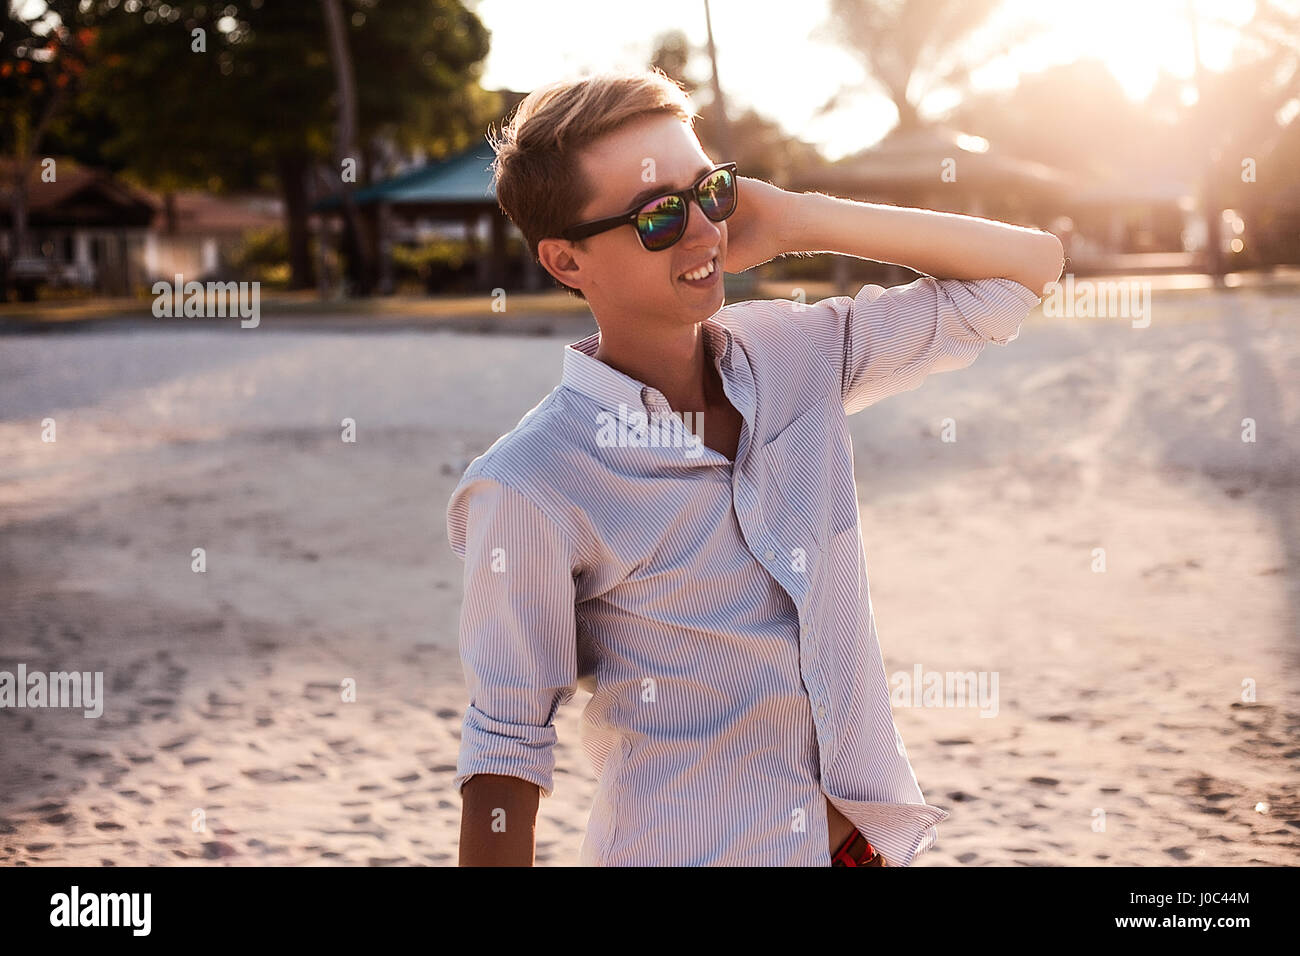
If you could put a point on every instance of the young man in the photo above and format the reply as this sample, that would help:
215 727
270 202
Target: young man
712 595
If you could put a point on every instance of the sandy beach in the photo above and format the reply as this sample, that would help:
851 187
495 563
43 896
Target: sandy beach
1124 732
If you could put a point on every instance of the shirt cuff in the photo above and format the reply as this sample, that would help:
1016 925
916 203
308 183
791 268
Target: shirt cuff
511 750
1008 305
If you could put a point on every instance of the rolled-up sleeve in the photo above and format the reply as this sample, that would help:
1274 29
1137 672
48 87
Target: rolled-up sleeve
888 340
518 642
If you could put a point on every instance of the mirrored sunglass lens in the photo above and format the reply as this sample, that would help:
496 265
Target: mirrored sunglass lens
660 222
718 194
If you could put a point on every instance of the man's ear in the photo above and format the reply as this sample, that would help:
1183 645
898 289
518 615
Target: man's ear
556 256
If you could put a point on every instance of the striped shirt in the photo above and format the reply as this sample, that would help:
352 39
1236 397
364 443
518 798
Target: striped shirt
717 611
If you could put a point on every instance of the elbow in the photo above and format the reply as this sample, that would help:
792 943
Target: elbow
1047 262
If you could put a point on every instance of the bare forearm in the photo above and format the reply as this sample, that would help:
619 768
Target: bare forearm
498 821
944 245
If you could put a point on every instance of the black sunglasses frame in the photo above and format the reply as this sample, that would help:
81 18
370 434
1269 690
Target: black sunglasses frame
584 229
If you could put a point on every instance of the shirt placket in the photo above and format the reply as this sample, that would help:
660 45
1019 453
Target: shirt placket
739 386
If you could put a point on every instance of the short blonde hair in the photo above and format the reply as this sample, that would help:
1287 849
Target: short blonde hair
539 181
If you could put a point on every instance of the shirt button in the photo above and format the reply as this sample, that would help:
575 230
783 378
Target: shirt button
769 554
821 710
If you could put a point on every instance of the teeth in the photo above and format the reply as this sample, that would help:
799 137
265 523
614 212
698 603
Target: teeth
702 273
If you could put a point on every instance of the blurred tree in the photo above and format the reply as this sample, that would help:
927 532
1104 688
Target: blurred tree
43 59
1076 117
672 54
355 249
229 95
1270 205
1236 118
912 48
761 148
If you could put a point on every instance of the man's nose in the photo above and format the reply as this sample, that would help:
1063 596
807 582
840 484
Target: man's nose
700 228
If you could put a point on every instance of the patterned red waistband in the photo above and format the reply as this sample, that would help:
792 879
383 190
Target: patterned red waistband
857 851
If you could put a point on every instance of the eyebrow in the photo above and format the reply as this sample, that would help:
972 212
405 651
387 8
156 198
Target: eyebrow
650 192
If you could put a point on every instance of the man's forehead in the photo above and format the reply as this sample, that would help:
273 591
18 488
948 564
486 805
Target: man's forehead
664 156
618 185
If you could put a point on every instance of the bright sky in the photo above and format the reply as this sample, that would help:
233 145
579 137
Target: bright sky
769 59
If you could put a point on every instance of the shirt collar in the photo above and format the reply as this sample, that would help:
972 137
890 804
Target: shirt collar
610 388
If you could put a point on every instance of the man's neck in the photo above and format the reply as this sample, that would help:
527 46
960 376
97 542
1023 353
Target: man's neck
677 365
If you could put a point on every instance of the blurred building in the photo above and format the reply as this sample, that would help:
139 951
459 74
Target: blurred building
1107 226
454 196
91 230
85 228
194 234
1132 225
936 167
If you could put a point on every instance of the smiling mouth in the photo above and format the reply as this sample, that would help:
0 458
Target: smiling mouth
702 274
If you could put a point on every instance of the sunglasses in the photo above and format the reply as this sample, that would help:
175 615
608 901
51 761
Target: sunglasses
661 221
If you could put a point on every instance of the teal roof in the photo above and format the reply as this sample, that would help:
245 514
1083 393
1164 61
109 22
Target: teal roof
465 177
